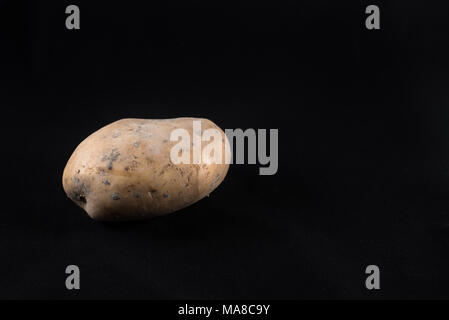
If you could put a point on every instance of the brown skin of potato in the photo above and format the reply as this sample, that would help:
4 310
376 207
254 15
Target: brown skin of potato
123 171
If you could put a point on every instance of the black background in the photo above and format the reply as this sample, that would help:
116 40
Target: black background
363 146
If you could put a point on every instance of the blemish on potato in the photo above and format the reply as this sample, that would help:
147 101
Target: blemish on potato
115 196
112 157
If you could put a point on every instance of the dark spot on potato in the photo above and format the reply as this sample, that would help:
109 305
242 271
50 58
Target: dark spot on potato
78 192
106 182
166 195
148 161
115 196
136 144
137 195
133 165
101 171
112 157
164 141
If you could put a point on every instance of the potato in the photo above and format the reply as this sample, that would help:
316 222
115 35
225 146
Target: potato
124 170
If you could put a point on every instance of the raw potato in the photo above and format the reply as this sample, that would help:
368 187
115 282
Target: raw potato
123 171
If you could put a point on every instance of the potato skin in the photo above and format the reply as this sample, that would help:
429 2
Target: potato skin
123 171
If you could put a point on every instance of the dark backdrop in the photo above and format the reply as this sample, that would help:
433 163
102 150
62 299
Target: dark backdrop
364 147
